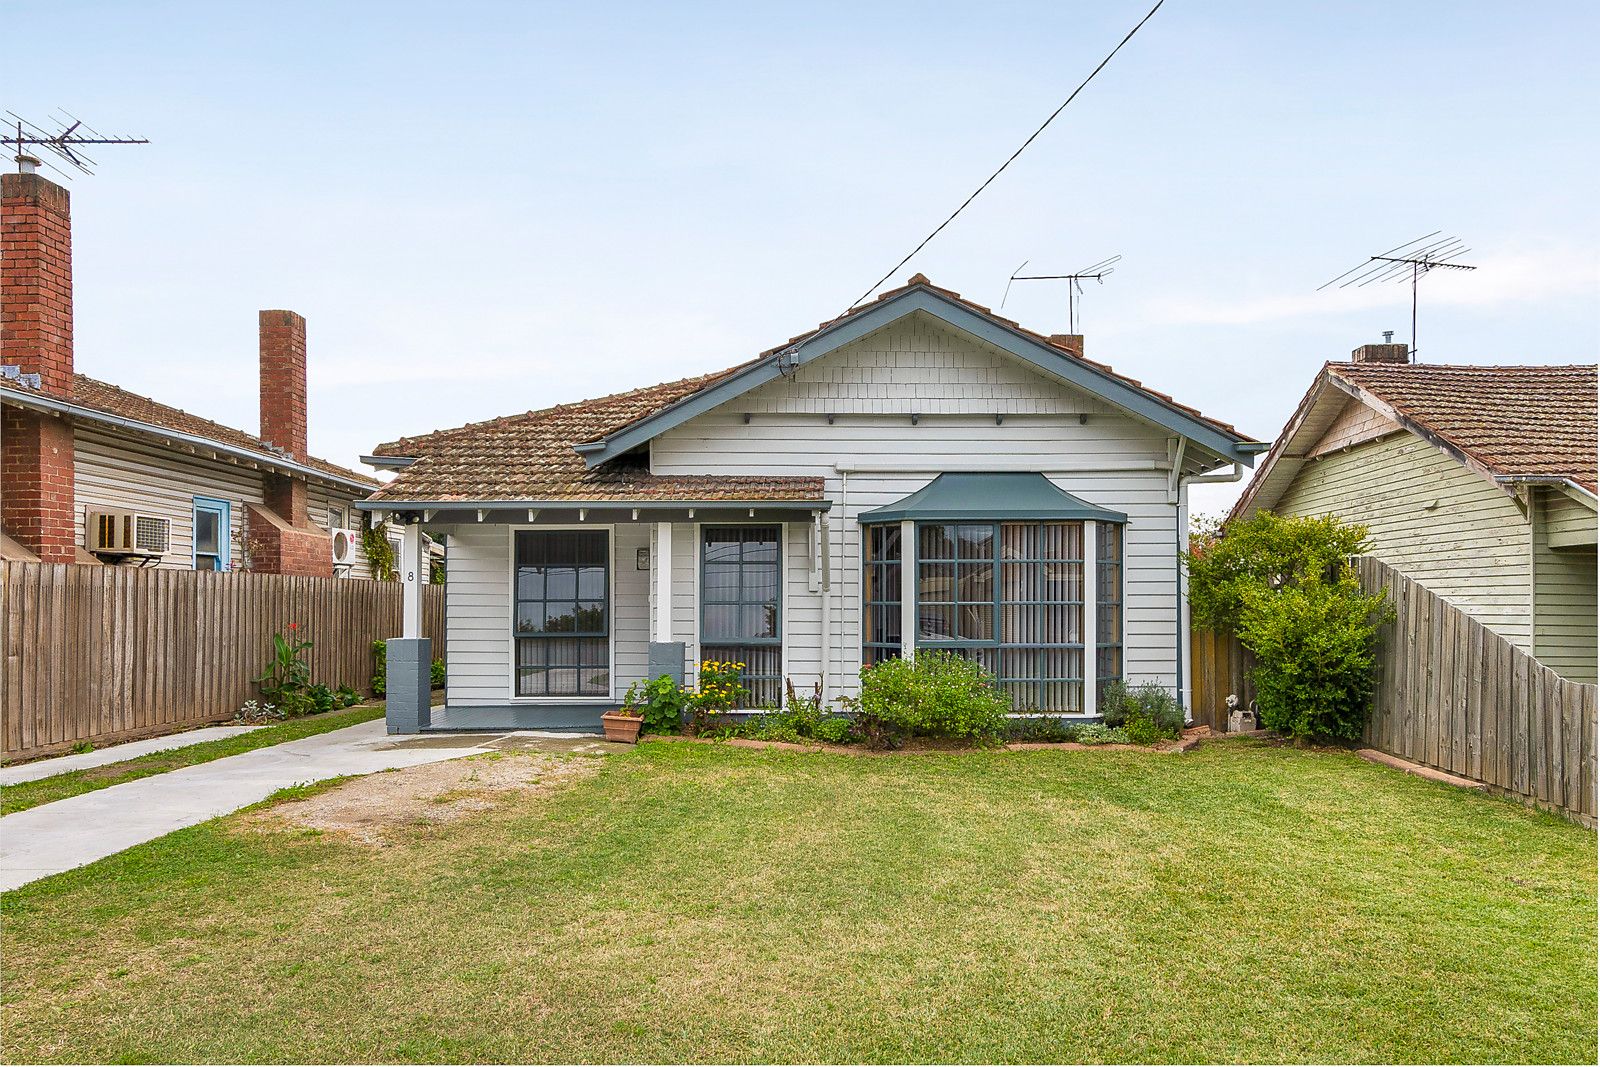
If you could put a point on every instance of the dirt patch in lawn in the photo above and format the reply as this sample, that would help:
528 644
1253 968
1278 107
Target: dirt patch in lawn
372 809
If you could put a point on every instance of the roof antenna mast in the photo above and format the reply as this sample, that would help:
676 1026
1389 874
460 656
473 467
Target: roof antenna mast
1097 272
66 143
1406 263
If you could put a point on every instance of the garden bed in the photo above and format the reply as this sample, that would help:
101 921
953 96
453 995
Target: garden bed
921 746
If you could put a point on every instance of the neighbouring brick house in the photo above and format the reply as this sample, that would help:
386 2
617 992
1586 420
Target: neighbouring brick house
91 473
1477 482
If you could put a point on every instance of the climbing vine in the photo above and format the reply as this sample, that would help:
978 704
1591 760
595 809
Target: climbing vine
379 553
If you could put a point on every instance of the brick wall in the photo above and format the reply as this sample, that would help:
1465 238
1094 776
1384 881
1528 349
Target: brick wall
283 381
36 506
276 547
36 279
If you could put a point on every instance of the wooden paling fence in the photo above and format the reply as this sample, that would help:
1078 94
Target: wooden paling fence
103 654
1451 695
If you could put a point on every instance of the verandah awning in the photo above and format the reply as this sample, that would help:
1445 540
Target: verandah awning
989 497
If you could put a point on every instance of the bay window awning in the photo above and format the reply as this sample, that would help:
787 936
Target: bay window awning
990 497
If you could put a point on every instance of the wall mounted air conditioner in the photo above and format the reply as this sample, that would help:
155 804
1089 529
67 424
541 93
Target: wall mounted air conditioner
126 533
346 545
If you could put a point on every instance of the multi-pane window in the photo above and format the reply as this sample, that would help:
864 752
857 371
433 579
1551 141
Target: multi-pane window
881 593
1007 594
740 604
561 622
1108 603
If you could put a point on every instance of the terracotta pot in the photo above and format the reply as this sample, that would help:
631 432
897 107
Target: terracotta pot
623 728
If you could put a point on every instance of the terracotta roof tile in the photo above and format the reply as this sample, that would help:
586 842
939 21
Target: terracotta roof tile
531 456
112 400
1528 421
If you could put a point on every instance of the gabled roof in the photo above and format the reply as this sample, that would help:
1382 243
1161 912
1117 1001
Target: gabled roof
1509 424
919 294
580 451
530 458
95 400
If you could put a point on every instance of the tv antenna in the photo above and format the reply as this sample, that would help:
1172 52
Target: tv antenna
1098 272
66 143
1426 253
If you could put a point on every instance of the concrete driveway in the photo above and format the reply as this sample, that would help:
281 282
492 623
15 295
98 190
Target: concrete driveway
69 833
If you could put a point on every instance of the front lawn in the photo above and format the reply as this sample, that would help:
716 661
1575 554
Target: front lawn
701 902
25 795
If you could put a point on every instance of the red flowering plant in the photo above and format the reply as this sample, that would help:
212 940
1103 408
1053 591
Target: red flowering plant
288 677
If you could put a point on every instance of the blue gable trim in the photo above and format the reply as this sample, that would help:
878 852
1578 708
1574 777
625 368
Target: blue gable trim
1050 360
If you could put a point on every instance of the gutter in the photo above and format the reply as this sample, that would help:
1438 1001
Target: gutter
568 503
61 407
1558 481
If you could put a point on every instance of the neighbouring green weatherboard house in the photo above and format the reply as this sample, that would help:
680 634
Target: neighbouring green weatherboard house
916 474
1477 482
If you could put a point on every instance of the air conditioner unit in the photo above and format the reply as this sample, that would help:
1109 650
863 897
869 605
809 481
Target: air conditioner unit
346 544
126 533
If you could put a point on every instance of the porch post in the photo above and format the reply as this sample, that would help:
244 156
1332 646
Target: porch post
663 577
410 565
409 656
1091 616
908 588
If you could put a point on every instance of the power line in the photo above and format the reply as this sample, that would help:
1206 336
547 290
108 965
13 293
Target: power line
999 171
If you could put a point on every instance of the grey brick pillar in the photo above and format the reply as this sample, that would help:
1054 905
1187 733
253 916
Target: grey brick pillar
666 657
410 684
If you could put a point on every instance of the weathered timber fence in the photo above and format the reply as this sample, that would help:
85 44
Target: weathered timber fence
104 654
1451 695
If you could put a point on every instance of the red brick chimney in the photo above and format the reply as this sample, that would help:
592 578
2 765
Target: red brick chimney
284 539
37 505
1385 353
1072 342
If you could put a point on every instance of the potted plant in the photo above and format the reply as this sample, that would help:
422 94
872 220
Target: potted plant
623 724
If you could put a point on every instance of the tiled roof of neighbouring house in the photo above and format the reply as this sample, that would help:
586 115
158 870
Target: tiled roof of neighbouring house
1515 421
532 456
111 400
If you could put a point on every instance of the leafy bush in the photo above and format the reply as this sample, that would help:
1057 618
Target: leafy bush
937 694
380 667
286 674
1286 587
1096 733
346 697
321 697
801 719
436 673
1148 713
661 701
718 692
258 711
1042 729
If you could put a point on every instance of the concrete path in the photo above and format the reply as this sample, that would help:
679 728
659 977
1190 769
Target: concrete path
69 833
79 761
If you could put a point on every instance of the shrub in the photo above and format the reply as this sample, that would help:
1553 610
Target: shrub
286 672
380 667
436 673
937 694
1042 729
1096 733
1148 713
802 718
661 701
346 697
258 711
321 697
718 691
1285 586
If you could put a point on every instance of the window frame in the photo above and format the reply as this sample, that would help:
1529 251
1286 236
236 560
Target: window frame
871 650
512 666
223 510
703 640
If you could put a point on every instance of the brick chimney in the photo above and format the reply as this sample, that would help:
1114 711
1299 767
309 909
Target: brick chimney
37 505
1072 342
284 539
1384 353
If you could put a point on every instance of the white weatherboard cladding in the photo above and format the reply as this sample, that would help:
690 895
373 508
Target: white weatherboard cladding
1432 519
956 386
478 598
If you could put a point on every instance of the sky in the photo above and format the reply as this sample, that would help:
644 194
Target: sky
486 208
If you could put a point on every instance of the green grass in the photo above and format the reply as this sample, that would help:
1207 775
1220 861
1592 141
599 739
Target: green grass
1241 902
25 795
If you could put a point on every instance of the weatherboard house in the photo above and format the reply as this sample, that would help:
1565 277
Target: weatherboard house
916 474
